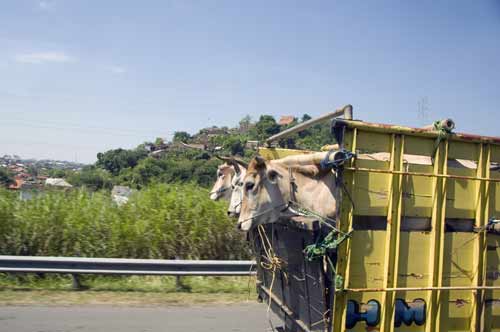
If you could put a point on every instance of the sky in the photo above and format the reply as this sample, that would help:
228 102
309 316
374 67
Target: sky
78 77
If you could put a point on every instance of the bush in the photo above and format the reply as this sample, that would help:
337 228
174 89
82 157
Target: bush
161 221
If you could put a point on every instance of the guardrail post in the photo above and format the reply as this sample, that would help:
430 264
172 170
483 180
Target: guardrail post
178 284
76 283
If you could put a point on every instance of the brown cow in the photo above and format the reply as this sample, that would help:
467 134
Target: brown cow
269 186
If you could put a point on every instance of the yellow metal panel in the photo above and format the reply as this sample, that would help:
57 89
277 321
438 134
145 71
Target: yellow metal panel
419 145
463 150
369 142
367 261
418 192
370 194
436 257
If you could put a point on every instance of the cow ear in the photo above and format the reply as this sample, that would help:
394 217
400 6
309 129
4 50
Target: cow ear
272 175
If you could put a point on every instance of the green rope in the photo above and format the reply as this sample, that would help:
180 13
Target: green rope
443 133
320 249
331 241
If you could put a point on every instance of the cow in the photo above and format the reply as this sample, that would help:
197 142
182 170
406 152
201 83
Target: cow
237 191
270 186
228 185
222 186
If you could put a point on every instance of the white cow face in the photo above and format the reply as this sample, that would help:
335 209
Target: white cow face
222 187
236 193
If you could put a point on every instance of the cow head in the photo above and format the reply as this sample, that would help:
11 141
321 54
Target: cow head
222 186
229 183
269 186
262 200
237 190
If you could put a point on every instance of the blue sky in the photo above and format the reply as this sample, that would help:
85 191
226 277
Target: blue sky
82 76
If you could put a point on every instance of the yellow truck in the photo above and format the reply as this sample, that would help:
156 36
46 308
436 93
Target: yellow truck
417 247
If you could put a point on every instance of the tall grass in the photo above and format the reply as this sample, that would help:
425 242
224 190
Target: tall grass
161 221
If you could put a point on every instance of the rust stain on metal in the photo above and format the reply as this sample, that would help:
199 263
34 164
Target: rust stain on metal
414 275
459 302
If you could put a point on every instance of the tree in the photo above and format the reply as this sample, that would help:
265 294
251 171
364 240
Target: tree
234 145
57 173
91 177
181 136
116 160
159 141
266 126
6 177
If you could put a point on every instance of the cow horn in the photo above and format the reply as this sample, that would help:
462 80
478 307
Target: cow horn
235 166
260 160
226 159
241 162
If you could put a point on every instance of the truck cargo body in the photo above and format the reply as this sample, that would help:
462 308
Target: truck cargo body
423 207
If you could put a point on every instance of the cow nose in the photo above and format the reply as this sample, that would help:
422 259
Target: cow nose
238 226
231 214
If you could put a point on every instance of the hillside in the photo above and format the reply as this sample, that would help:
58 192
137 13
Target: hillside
171 161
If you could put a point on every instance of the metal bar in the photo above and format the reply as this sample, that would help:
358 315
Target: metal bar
437 232
391 252
346 111
446 176
72 265
480 254
419 132
344 220
415 289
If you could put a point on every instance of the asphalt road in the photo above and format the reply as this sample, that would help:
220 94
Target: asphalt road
221 318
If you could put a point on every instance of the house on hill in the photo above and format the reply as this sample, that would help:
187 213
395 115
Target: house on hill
285 120
57 182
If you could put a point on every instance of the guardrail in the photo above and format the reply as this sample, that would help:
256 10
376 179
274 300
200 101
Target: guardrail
121 266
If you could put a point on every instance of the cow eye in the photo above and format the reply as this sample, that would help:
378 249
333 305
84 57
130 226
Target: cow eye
249 186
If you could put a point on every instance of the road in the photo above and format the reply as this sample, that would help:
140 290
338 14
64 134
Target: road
221 318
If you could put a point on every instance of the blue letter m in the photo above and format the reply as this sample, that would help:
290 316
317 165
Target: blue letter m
413 312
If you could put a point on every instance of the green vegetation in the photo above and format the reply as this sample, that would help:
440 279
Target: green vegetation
169 217
138 290
160 221
6 177
116 160
138 167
